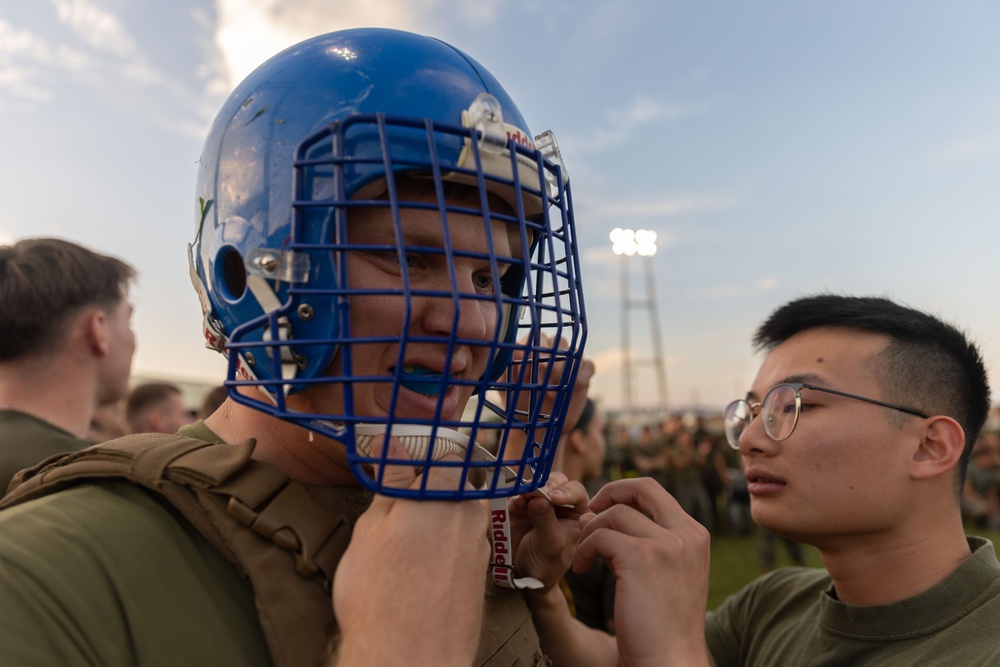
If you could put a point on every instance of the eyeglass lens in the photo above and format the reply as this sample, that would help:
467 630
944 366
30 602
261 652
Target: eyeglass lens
736 418
778 413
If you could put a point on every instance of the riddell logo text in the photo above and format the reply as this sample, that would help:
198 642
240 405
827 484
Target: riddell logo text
520 138
501 546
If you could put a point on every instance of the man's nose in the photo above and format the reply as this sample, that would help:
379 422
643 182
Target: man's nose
459 310
754 439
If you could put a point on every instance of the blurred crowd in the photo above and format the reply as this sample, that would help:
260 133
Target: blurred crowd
981 493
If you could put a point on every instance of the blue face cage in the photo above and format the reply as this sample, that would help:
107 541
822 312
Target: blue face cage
303 338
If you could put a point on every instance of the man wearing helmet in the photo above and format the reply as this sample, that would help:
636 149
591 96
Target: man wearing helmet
384 256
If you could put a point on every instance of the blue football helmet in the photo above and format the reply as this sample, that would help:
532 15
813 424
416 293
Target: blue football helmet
377 227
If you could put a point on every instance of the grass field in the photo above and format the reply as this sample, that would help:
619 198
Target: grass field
734 562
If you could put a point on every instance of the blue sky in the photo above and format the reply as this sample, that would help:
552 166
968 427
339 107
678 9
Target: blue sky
777 147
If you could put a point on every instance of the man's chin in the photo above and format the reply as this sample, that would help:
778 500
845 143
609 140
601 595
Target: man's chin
412 405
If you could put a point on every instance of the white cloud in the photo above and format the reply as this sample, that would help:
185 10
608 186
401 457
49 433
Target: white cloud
622 123
657 207
762 284
21 43
20 82
251 31
31 66
97 28
974 148
92 50
26 61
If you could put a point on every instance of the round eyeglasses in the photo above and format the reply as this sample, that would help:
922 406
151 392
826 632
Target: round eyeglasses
780 411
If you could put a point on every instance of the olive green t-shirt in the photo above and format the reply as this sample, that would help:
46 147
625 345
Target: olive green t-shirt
121 581
26 440
791 617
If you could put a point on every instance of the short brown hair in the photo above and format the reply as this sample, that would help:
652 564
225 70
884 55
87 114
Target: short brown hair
44 282
142 398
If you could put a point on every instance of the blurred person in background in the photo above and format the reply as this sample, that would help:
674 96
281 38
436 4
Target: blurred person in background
590 594
66 346
108 422
650 454
212 401
156 407
981 494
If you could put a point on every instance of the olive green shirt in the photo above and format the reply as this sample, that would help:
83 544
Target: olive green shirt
792 617
26 440
107 574
103 574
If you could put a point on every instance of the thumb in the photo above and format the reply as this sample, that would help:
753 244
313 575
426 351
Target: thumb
543 516
391 473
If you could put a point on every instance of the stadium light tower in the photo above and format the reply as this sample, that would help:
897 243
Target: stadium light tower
628 243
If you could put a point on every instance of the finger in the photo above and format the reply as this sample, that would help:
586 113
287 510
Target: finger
643 494
445 476
567 494
622 519
608 544
550 522
394 475
390 475
617 531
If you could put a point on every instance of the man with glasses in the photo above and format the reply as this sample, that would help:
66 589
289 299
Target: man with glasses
855 435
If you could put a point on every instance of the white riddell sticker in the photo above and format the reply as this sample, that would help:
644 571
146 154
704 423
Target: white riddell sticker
518 136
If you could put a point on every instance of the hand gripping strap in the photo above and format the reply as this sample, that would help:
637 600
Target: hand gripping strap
416 439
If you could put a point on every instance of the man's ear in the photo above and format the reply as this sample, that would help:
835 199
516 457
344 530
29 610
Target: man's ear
96 331
940 448
575 441
155 420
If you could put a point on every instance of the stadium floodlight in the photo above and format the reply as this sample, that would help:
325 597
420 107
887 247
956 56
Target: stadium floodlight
630 242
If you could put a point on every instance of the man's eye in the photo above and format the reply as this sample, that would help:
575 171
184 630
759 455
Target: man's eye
410 259
483 282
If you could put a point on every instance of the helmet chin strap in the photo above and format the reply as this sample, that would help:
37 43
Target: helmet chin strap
416 439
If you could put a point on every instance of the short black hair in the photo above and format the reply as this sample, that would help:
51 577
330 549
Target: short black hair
929 365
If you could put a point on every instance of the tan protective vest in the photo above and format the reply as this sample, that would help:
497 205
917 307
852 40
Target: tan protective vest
284 537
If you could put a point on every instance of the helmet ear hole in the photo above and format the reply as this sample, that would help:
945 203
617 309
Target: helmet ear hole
233 272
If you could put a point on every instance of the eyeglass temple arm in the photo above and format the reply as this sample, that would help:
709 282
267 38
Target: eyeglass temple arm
867 400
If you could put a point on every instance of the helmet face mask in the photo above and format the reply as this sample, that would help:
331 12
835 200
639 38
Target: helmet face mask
410 274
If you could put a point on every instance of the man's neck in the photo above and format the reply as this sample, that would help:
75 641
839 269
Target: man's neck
893 570
59 396
302 455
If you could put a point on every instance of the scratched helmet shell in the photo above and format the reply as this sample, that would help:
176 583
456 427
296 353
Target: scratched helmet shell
332 125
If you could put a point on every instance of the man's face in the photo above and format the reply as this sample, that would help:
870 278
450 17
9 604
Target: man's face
843 471
174 414
382 316
117 366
